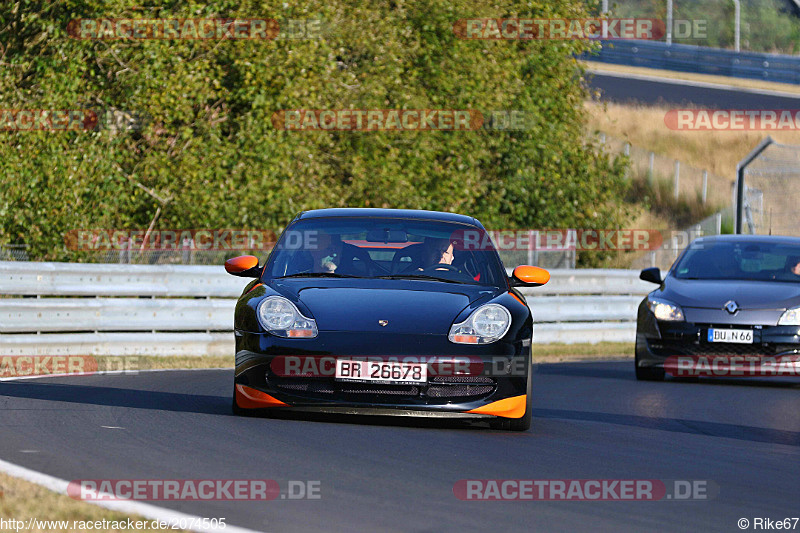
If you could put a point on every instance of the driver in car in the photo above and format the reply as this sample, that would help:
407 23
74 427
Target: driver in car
440 253
793 265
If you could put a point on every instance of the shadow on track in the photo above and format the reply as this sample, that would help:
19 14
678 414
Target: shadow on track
677 425
203 404
220 405
602 371
114 397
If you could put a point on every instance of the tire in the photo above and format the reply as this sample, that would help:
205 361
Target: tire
235 409
648 373
524 423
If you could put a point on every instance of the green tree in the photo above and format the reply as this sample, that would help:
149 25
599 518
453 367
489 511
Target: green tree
209 156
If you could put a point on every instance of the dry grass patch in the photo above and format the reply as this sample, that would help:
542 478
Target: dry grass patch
21 500
556 353
715 151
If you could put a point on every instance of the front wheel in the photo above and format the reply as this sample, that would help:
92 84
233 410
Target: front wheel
524 423
235 409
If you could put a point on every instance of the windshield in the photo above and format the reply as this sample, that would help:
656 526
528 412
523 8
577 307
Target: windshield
753 261
386 248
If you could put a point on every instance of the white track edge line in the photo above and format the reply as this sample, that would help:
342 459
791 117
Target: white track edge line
146 510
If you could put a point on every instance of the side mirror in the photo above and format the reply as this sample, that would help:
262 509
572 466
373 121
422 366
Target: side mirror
244 266
530 276
653 275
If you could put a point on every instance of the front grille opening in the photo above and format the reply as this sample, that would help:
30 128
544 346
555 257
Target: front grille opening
463 379
669 348
368 388
458 391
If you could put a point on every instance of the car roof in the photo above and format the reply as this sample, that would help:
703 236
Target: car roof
777 239
417 214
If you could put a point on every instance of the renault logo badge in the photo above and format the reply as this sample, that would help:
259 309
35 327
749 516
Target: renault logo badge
383 323
732 307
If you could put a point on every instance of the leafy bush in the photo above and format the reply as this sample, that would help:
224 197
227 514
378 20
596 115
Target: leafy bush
209 157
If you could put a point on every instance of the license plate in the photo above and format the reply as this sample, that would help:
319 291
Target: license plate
736 336
381 371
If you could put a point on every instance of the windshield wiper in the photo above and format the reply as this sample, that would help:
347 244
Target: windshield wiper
317 275
418 276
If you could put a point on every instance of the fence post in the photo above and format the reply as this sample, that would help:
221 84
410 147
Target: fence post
705 186
531 245
677 178
650 172
718 223
669 22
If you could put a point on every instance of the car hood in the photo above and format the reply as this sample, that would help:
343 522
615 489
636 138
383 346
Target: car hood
714 294
417 307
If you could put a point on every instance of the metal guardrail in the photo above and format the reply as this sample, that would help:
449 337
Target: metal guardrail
587 306
700 59
108 309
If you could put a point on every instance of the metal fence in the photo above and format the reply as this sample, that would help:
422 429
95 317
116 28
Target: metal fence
770 191
683 180
105 309
701 60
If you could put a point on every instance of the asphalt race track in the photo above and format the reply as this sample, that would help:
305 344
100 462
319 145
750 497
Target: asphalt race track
657 91
591 421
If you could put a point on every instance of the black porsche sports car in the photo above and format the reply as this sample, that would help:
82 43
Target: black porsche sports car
387 312
735 296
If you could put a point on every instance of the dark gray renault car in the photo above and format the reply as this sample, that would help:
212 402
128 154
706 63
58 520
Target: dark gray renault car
727 295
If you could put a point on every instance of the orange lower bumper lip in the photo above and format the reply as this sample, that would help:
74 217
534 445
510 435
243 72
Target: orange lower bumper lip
507 408
249 398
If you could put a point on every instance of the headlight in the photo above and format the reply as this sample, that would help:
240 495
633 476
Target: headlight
791 317
665 310
485 325
281 317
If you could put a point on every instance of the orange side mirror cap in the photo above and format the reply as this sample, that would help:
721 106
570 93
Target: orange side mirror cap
245 266
531 275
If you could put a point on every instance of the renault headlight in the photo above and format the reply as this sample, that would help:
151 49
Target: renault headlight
487 324
791 317
665 310
281 317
